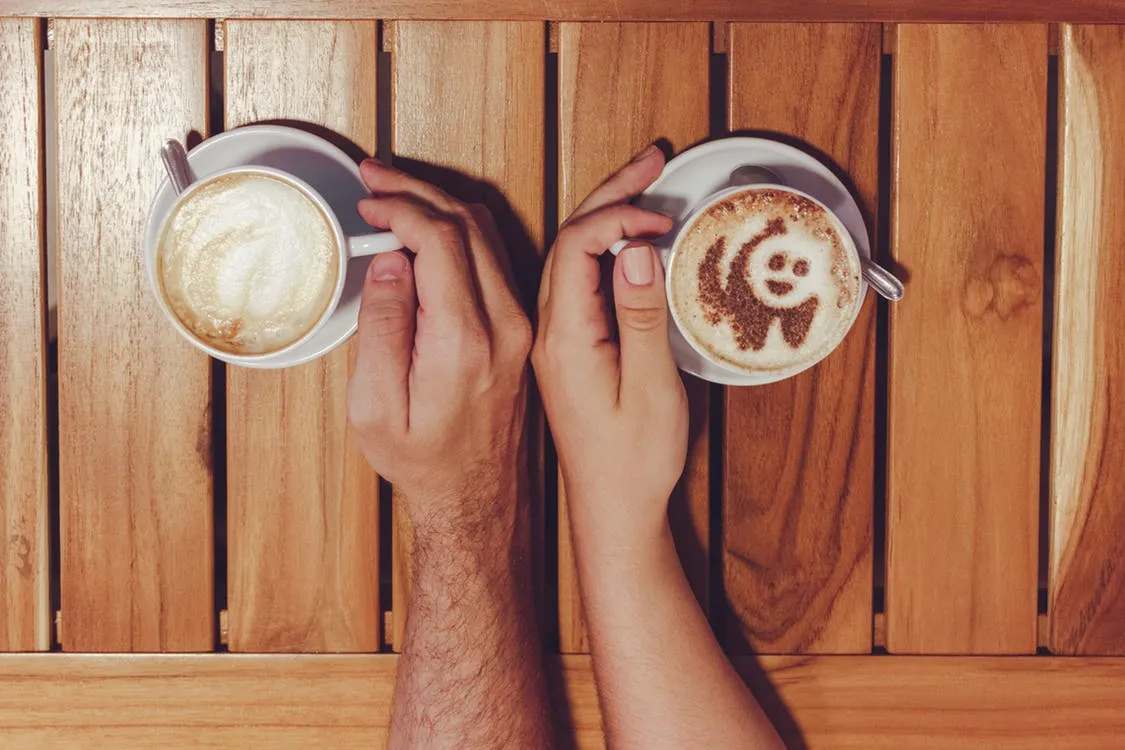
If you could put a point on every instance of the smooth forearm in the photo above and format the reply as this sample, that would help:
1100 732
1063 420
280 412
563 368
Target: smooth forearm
663 681
471 650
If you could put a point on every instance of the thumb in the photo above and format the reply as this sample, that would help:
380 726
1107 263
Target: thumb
642 318
377 394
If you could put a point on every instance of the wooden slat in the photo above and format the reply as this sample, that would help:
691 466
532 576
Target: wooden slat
622 87
1087 572
966 343
1089 11
24 623
839 702
402 554
134 398
303 503
799 455
483 142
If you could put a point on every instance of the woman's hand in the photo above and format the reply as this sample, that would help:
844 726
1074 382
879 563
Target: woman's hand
616 405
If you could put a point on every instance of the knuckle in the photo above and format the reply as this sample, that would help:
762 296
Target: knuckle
518 336
462 211
447 233
363 415
546 356
474 348
386 316
568 232
643 318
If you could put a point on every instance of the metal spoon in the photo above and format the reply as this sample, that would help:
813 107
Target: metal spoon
174 156
885 283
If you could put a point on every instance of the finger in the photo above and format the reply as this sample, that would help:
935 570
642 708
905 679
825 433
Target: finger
573 272
642 320
378 394
619 187
626 183
443 277
492 264
383 179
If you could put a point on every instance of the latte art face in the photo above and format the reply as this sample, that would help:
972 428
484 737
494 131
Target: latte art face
248 263
765 281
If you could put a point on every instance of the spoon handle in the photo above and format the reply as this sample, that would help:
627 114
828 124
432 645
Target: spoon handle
885 283
175 160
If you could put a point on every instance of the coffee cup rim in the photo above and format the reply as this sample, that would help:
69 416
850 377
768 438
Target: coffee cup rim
322 205
776 375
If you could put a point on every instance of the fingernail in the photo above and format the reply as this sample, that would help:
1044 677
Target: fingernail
638 264
372 163
646 153
389 267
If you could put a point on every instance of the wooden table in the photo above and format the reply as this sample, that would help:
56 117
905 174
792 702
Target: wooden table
922 539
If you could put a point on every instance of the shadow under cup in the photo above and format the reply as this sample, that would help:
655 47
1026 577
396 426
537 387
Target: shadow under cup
277 356
751 375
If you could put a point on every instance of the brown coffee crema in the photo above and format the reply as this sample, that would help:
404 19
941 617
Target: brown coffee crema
765 281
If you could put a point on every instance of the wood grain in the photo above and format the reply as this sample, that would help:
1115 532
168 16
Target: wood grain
966 342
303 505
134 398
52 701
24 623
1087 11
1087 572
402 571
622 87
799 455
484 143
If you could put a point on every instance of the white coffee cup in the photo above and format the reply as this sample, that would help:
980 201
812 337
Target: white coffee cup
671 255
347 247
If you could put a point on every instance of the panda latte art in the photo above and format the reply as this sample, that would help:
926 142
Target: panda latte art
765 281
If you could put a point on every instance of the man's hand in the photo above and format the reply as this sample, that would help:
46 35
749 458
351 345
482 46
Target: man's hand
437 403
617 409
437 399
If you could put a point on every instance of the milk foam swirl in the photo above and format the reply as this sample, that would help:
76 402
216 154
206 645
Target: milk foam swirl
765 281
248 263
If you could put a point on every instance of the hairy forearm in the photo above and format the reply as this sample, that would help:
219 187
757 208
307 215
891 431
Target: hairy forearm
662 679
471 672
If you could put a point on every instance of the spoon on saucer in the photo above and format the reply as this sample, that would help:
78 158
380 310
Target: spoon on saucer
174 156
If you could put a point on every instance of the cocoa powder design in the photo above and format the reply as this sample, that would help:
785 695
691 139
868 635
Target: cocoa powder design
751 317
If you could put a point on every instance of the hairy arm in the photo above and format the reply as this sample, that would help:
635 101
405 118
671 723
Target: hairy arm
470 674
438 403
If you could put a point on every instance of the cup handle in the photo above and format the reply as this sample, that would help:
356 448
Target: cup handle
373 244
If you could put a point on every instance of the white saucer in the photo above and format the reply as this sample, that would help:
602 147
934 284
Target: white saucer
316 161
699 172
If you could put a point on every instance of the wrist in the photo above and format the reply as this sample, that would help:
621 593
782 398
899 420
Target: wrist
472 551
619 542
481 505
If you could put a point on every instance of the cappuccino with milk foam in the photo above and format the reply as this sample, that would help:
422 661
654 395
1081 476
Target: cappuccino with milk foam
765 281
248 263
